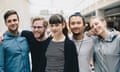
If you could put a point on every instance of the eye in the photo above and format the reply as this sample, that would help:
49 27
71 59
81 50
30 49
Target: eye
72 23
96 23
51 25
78 22
14 20
9 21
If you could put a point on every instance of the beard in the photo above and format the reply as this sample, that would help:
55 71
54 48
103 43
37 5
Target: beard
40 36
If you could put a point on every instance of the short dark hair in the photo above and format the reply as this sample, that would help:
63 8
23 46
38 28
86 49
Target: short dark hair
10 12
77 14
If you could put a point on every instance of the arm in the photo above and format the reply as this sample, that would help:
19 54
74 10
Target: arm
91 64
72 58
1 58
27 34
1 37
91 58
75 59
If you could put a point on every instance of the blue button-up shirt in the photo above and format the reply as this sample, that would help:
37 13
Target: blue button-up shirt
14 54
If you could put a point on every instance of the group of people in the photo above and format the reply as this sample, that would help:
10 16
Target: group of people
59 52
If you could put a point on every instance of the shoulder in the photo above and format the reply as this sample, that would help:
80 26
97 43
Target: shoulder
68 41
118 37
48 39
69 44
26 33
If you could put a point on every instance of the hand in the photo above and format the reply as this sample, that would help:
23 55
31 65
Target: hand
1 37
90 32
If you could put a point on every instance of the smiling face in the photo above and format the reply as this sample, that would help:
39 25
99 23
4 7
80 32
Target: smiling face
58 25
38 29
56 29
76 25
12 22
98 26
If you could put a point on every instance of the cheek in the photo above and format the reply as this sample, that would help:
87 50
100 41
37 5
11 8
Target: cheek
71 26
99 28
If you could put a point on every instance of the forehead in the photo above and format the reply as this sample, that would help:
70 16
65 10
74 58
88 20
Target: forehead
38 22
56 24
13 16
95 20
76 18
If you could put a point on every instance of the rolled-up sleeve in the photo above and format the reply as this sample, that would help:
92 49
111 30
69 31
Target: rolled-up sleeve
1 58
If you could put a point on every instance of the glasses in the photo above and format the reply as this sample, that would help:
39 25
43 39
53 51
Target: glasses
38 27
14 20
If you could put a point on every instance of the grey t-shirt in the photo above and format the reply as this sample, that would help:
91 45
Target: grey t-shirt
55 57
85 52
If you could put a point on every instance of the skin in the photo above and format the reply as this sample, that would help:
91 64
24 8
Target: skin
38 30
99 27
56 30
77 27
12 22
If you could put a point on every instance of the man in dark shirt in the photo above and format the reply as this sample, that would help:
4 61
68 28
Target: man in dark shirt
38 41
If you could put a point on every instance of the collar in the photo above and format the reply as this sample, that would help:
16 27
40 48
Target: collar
8 35
110 38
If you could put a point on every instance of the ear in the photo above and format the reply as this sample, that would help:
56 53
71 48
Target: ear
6 23
63 25
86 25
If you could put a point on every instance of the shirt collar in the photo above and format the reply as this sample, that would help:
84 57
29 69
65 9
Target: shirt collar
110 37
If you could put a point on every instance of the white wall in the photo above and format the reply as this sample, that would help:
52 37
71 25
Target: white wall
21 6
92 5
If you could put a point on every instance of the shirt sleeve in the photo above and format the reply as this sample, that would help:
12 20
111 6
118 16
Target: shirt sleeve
1 58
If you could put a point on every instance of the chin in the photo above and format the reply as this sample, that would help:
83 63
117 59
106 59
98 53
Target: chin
37 36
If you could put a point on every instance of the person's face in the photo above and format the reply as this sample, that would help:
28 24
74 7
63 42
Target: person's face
76 25
12 23
98 27
56 29
38 29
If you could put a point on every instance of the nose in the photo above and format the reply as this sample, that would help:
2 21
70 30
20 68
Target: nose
12 22
75 25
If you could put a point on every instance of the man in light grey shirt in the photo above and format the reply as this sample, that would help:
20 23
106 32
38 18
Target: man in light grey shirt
84 44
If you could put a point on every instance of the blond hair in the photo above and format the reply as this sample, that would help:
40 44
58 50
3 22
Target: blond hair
45 23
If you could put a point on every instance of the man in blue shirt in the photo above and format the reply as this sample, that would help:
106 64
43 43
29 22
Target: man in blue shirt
14 51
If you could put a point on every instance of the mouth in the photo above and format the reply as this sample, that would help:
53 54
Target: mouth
75 30
55 31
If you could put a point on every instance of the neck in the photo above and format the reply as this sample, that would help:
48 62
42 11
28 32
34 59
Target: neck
78 37
14 32
105 34
59 38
